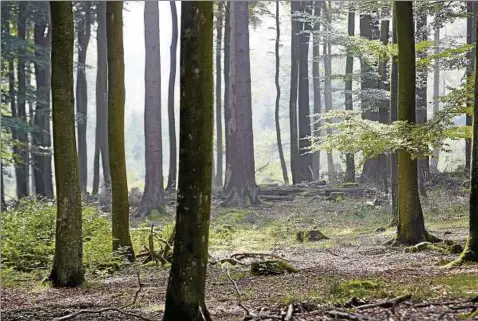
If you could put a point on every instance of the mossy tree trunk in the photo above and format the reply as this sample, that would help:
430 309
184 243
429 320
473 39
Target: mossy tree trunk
240 183
316 85
153 196
285 176
171 118
116 100
219 149
411 226
84 22
68 260
394 117
186 285
349 104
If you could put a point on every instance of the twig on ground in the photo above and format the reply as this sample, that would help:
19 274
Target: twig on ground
289 314
239 296
344 315
386 304
425 305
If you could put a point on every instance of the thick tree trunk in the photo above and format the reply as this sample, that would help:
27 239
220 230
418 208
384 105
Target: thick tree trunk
294 74
41 138
277 109
349 105
116 100
172 80
68 260
186 285
22 163
83 37
422 99
240 184
316 84
394 117
436 93
227 54
411 226
305 159
153 196
219 149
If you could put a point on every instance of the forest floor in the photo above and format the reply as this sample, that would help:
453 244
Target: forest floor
351 268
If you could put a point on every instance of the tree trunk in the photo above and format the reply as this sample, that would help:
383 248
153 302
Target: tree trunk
22 163
436 94
411 227
172 80
116 100
294 74
83 36
316 84
68 260
186 285
470 35
240 184
227 54
349 104
305 159
327 48
394 117
219 148
42 136
422 99
277 109
3 203
153 196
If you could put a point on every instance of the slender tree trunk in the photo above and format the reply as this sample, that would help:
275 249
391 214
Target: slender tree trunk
42 138
227 55
172 80
277 109
294 74
349 104
470 35
436 94
68 260
240 186
116 100
316 84
3 203
219 157
83 36
22 164
186 285
411 227
394 117
153 196
422 99
305 159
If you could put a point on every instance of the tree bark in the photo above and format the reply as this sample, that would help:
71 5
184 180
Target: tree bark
227 55
436 93
316 84
349 104
470 39
172 80
186 285
411 226
219 148
153 196
68 260
42 136
294 74
83 36
116 100
240 184
394 117
277 109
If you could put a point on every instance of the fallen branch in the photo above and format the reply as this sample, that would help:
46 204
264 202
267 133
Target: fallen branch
289 314
344 315
386 304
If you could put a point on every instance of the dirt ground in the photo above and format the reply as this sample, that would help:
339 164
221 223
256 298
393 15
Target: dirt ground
352 268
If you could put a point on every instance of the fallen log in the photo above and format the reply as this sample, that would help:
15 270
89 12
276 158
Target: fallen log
385 304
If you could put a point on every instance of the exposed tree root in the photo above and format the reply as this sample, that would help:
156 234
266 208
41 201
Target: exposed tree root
164 255
465 257
429 238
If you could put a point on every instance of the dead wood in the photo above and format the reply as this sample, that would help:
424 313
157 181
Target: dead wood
289 314
344 315
386 304
282 198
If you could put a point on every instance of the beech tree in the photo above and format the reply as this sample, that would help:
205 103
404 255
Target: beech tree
116 100
294 77
186 285
153 196
316 83
68 260
349 104
219 149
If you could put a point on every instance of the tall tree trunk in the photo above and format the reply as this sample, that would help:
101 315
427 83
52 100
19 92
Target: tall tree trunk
277 109
327 48
411 227
394 117
83 36
422 99
349 104
3 203
186 285
316 84
116 100
436 93
153 196
470 39
240 186
42 136
68 260
22 164
219 148
305 166
294 74
227 55
172 80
